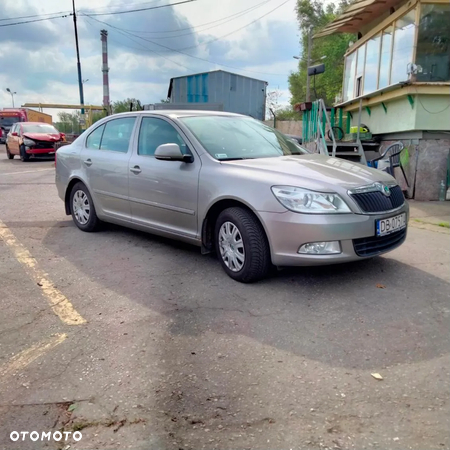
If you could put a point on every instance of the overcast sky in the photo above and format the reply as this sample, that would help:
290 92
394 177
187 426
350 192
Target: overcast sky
38 61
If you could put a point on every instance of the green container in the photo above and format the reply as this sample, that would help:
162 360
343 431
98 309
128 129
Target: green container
351 137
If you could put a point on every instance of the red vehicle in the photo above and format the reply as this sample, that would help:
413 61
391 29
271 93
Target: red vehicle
36 139
10 116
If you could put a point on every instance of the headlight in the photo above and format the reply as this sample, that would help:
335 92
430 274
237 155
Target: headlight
28 142
305 201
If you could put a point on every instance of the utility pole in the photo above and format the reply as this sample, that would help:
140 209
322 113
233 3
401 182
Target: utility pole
308 62
80 80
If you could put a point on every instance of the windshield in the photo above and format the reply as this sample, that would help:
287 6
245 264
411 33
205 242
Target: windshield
38 128
8 122
226 138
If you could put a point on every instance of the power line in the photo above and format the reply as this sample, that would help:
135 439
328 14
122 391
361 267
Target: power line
238 14
34 15
197 57
144 47
35 20
140 9
238 29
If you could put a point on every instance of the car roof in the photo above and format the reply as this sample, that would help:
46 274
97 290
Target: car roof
35 123
177 113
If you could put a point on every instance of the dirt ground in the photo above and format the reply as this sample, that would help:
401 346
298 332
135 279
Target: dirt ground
143 343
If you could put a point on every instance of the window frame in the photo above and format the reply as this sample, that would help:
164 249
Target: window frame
174 124
389 22
104 124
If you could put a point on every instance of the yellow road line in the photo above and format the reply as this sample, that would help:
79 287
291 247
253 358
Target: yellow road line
23 359
61 306
27 171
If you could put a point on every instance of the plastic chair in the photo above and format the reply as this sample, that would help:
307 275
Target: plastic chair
391 156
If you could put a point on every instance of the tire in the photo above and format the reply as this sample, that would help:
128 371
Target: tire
246 256
24 157
83 209
338 133
8 153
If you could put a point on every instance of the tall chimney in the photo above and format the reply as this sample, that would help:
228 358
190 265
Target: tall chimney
105 68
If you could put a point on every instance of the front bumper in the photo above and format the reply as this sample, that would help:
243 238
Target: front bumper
288 231
40 151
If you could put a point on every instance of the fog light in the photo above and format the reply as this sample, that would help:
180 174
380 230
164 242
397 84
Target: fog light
321 248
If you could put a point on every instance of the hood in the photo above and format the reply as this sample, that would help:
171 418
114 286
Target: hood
314 171
50 137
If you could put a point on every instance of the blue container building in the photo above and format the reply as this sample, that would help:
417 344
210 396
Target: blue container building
227 91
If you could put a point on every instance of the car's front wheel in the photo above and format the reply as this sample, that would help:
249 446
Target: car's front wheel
8 153
82 208
24 156
242 245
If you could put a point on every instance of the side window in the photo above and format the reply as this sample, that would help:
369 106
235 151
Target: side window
117 134
155 132
94 139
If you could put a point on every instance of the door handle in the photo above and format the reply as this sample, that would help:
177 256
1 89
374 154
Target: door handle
135 170
88 162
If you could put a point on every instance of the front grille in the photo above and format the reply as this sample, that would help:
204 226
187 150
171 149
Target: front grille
378 202
377 244
43 145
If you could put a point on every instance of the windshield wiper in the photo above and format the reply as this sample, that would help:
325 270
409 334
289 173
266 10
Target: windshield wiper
233 159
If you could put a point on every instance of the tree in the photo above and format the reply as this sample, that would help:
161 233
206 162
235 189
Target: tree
69 122
272 102
129 104
312 14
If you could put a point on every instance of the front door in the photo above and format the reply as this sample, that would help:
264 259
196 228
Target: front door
163 194
104 160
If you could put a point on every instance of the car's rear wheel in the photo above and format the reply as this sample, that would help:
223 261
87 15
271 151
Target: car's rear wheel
24 156
242 245
9 154
82 208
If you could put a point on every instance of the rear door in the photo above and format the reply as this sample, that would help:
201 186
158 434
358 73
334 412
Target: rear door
105 163
163 194
13 141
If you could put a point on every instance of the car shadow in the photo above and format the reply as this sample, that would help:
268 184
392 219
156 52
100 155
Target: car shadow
372 313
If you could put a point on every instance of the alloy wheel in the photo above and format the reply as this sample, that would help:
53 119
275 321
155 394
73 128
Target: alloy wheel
81 207
231 246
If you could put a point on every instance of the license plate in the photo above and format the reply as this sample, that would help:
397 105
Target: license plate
387 226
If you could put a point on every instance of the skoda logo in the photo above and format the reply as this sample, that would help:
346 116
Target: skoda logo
383 189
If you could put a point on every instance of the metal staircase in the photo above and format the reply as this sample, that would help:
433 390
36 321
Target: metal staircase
318 129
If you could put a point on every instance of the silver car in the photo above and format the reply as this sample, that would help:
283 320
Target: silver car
230 184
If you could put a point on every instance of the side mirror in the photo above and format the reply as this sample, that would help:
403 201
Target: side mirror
14 134
171 152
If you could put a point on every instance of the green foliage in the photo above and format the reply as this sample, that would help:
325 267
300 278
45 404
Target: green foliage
129 104
288 114
97 115
69 122
314 14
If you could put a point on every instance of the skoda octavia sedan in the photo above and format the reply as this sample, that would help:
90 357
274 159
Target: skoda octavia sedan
229 184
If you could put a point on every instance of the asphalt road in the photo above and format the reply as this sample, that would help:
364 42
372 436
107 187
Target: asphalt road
140 342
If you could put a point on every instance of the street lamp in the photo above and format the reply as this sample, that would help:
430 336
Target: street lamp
312 62
309 63
85 81
12 95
